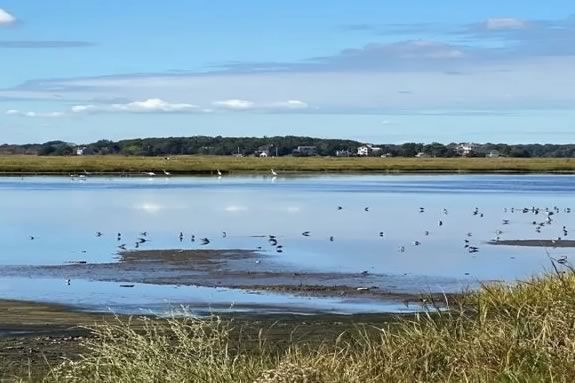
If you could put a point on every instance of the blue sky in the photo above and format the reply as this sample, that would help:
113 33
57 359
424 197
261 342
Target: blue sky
379 71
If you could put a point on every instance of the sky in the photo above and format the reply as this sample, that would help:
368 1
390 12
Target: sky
372 70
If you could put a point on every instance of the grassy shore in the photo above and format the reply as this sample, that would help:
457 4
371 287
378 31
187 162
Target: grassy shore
521 333
22 165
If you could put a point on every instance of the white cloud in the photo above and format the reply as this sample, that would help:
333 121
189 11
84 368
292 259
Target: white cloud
14 112
150 105
501 23
234 104
291 104
6 18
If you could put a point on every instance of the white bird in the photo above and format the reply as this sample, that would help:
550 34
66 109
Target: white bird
151 174
274 173
219 173
167 173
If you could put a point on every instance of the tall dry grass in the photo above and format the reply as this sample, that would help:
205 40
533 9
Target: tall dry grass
520 333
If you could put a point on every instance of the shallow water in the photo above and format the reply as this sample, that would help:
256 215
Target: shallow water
64 215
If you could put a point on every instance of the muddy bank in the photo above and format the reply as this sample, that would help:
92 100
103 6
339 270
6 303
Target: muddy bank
534 243
240 269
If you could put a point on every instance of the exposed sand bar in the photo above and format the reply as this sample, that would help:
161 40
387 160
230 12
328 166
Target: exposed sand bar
240 269
534 243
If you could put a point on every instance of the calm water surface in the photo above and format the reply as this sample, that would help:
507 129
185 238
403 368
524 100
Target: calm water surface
63 216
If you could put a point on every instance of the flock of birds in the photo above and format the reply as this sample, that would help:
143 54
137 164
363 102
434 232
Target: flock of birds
546 219
84 174
542 218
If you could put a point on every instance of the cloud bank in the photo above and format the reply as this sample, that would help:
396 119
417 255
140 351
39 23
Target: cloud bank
6 18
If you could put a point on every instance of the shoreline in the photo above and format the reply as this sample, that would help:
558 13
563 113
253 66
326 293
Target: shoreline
111 165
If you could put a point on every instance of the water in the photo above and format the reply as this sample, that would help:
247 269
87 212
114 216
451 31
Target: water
63 216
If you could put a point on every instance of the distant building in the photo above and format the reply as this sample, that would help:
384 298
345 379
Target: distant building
493 154
80 150
263 151
368 150
422 155
386 155
305 151
343 153
466 149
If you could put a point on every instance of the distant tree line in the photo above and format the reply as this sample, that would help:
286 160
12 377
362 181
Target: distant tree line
280 146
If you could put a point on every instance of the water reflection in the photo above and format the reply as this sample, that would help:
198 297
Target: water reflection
64 217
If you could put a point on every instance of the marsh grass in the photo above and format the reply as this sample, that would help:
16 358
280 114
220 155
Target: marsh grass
228 164
519 333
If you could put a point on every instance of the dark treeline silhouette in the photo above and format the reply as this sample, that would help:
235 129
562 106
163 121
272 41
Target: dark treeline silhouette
282 146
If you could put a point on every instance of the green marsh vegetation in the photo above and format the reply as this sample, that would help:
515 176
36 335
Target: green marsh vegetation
133 165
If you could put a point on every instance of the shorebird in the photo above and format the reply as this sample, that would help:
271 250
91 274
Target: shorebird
274 173
219 173
166 173
151 174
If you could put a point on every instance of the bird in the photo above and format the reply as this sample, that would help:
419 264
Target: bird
274 173
166 173
181 236
219 172
381 234
340 208
366 209
151 174
205 241
331 238
98 234
31 238
224 234
68 281
305 233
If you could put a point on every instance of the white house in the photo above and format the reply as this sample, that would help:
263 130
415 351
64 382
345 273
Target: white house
466 149
367 149
80 150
